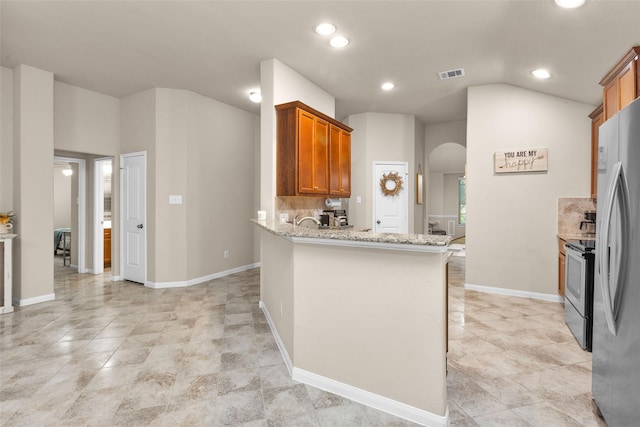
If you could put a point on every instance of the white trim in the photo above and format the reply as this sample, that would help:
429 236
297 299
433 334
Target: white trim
191 282
514 293
116 278
34 300
82 208
283 350
372 400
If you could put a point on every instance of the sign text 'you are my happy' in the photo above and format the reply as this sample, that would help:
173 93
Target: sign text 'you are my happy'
529 160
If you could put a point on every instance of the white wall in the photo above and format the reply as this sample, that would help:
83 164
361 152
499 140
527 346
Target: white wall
86 121
220 178
81 121
512 218
204 151
281 84
379 137
172 145
6 139
32 187
87 126
138 133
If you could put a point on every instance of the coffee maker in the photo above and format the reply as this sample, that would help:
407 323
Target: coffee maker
588 224
334 218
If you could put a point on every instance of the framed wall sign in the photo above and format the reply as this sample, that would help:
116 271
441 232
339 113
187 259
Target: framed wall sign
521 160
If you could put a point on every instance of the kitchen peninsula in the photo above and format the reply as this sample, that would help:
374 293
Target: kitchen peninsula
360 314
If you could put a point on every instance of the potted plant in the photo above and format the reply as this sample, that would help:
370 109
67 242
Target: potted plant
6 222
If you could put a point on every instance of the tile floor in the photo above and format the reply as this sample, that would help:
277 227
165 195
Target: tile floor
119 354
513 362
116 353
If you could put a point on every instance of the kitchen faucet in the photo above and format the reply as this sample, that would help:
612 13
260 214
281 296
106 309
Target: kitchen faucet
298 222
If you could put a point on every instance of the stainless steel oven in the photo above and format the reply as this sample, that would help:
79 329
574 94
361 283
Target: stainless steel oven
578 304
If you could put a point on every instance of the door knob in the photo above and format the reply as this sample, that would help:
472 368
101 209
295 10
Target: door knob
378 222
139 225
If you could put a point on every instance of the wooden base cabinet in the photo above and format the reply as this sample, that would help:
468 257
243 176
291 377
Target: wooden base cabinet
562 257
313 153
107 247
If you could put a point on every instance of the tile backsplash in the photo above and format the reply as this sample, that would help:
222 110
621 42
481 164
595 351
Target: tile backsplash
304 206
571 213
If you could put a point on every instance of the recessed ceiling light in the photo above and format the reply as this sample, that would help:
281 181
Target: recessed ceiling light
339 41
569 4
387 86
255 96
541 74
325 29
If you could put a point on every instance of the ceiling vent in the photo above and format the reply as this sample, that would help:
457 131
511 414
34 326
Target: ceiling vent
444 75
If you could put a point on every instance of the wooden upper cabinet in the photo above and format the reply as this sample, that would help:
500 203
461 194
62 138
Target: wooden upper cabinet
339 162
597 118
621 85
313 153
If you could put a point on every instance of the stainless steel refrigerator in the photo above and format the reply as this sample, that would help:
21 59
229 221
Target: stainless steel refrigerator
616 314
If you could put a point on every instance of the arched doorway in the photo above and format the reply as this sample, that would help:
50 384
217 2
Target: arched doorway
445 187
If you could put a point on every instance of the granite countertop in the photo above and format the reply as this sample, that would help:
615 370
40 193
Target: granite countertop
355 235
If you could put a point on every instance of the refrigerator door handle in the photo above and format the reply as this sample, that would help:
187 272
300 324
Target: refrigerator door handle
617 187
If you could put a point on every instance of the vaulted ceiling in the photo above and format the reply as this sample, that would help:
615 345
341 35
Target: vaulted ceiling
215 47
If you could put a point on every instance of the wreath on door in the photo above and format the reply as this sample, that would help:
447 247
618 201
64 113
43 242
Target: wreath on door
391 184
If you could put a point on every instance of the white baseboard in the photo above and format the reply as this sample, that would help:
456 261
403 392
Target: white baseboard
514 293
372 400
276 336
191 282
116 278
34 300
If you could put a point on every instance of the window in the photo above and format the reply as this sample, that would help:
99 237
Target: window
462 200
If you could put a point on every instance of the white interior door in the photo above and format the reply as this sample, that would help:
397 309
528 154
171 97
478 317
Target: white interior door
391 200
133 194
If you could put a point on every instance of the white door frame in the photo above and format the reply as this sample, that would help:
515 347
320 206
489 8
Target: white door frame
82 209
123 219
375 186
98 212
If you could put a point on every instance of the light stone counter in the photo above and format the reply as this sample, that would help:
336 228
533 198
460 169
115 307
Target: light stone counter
357 238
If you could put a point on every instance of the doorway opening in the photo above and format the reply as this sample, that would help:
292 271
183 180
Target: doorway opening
69 237
447 208
102 214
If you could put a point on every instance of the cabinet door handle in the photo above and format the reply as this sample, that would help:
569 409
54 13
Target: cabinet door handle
139 226
378 222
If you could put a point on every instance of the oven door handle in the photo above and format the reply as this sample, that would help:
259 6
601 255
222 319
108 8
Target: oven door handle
617 191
